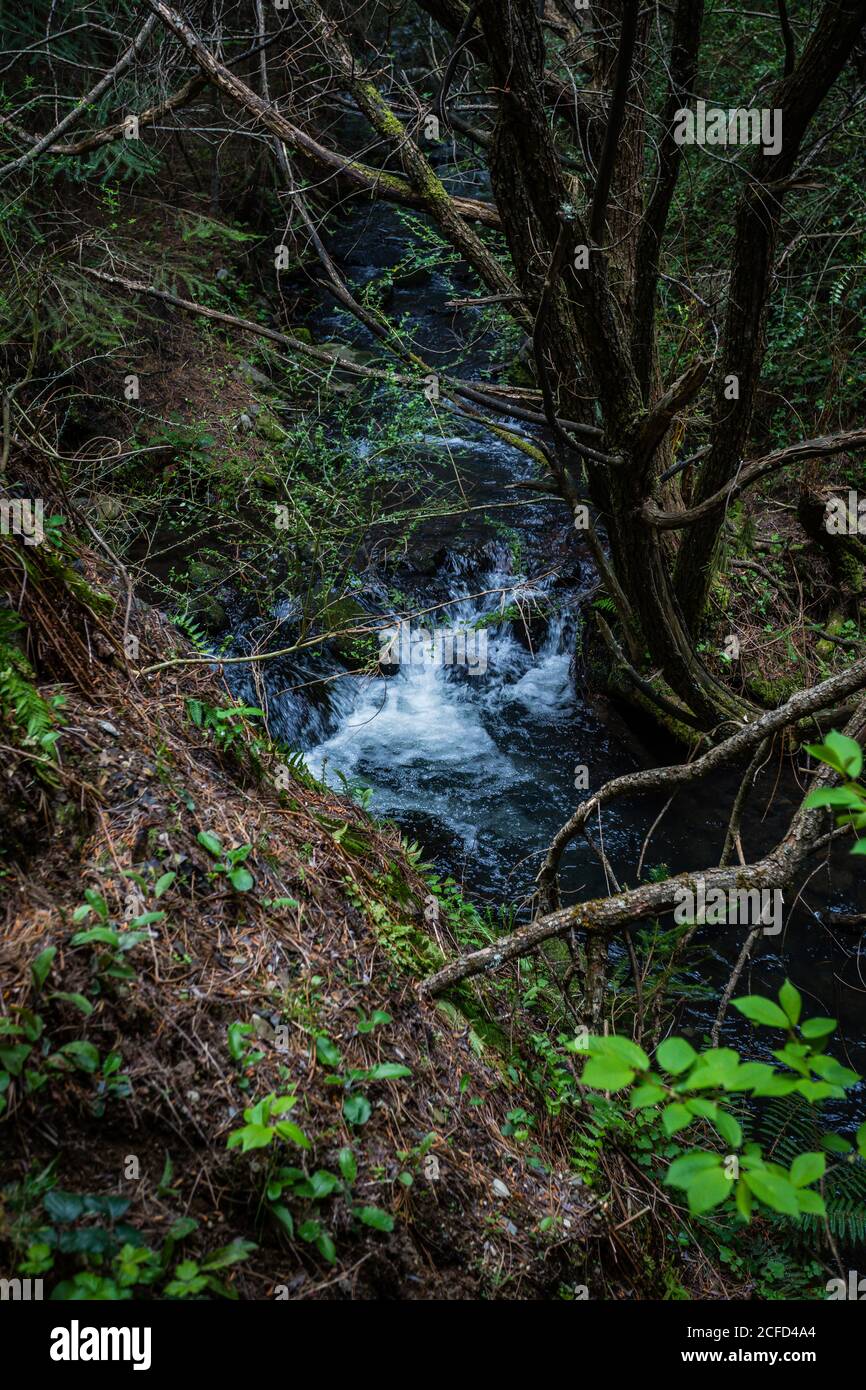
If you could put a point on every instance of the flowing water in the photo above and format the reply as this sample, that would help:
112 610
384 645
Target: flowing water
480 767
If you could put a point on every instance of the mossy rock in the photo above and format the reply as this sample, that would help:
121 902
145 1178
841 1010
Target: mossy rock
209 613
200 574
346 612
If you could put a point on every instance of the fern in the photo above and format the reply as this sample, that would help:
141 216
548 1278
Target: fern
34 718
787 1126
191 629
599 1120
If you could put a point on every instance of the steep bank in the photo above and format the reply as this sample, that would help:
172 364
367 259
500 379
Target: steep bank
151 992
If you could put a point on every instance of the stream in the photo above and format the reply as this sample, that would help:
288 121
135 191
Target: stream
479 767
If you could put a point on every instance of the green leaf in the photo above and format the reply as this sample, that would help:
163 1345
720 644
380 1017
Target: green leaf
282 1214
606 1074
210 842
729 1128
675 1117
320 1185
760 1010
648 1094
83 1054
64 1207
41 966
289 1131
254 1136
808 1168
103 935
791 1001
146 919
818 1028
773 1190
78 1000
241 880
326 1248
839 752
619 1049
348 1165
375 1217
832 796
832 1070
811 1202
675 1055
12 1059
163 883
231 1254
685 1169
357 1110
388 1071
708 1190
744 1200
327 1052
835 1144
860 1140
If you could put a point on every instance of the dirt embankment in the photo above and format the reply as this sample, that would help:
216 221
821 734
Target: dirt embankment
191 926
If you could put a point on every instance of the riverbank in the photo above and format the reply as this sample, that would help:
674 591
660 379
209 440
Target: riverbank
202 928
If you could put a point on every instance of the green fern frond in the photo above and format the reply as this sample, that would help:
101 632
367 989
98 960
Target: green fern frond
33 719
191 629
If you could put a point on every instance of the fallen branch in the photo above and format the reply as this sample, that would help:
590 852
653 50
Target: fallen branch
745 740
751 473
392 187
604 916
86 102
